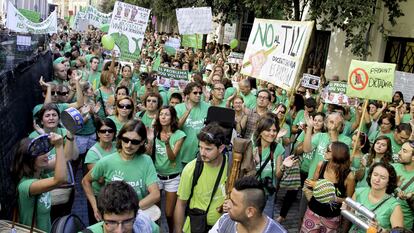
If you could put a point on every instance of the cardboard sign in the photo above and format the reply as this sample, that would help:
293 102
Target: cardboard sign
235 58
275 51
127 28
334 93
97 18
229 33
169 77
195 20
371 80
404 82
311 81
18 23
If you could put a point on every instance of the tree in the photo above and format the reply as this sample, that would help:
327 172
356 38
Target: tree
354 17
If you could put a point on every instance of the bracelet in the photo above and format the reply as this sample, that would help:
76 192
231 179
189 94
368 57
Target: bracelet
70 139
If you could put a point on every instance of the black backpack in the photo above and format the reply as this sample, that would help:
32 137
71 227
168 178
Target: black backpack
67 224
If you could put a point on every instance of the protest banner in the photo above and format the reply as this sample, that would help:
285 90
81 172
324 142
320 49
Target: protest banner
169 77
404 82
310 81
18 23
229 33
371 80
80 23
30 15
127 28
194 20
235 58
192 41
97 18
171 45
334 93
275 51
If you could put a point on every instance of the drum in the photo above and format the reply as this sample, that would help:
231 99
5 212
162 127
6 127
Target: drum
72 120
40 145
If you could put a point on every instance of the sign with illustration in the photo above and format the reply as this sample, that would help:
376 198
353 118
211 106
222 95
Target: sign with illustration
17 22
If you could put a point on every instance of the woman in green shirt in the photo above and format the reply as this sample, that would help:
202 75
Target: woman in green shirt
168 141
124 111
33 185
382 181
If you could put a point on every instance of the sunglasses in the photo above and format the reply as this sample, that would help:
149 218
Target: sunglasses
103 131
125 106
197 92
133 141
59 93
282 112
151 101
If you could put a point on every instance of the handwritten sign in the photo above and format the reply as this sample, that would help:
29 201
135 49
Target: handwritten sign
275 51
195 20
97 18
169 77
229 33
404 82
311 81
371 80
128 25
18 23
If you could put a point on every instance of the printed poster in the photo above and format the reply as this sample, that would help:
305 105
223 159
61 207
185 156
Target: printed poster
169 77
127 28
275 51
311 81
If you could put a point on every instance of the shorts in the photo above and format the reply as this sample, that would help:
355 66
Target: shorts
85 142
170 185
315 223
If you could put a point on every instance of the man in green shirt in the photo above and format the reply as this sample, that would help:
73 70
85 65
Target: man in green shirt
211 148
245 92
94 76
191 114
401 135
118 206
405 172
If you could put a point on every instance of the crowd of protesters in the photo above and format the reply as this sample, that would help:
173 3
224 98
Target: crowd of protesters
152 137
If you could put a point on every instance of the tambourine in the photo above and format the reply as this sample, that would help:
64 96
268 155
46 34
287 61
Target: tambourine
40 145
72 120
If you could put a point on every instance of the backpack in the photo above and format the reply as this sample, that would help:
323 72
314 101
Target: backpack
68 224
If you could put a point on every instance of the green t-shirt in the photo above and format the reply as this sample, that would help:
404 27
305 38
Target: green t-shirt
406 175
320 143
118 124
94 154
148 121
94 78
300 117
406 118
191 127
27 202
229 92
163 165
394 145
249 100
382 213
347 131
267 171
139 172
102 96
98 227
306 158
203 191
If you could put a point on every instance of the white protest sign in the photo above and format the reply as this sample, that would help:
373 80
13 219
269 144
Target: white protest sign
275 51
229 33
310 81
127 28
18 23
80 23
173 42
97 18
404 82
196 20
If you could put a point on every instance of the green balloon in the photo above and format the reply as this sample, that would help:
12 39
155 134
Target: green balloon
108 42
234 43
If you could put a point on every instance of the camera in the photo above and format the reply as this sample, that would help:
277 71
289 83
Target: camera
267 184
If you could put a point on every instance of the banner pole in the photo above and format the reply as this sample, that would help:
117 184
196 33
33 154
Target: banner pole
364 110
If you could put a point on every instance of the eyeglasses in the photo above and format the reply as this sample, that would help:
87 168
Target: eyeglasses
197 92
262 97
151 101
132 141
114 224
125 106
103 131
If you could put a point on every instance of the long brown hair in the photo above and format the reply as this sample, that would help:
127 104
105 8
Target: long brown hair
340 161
24 163
387 158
